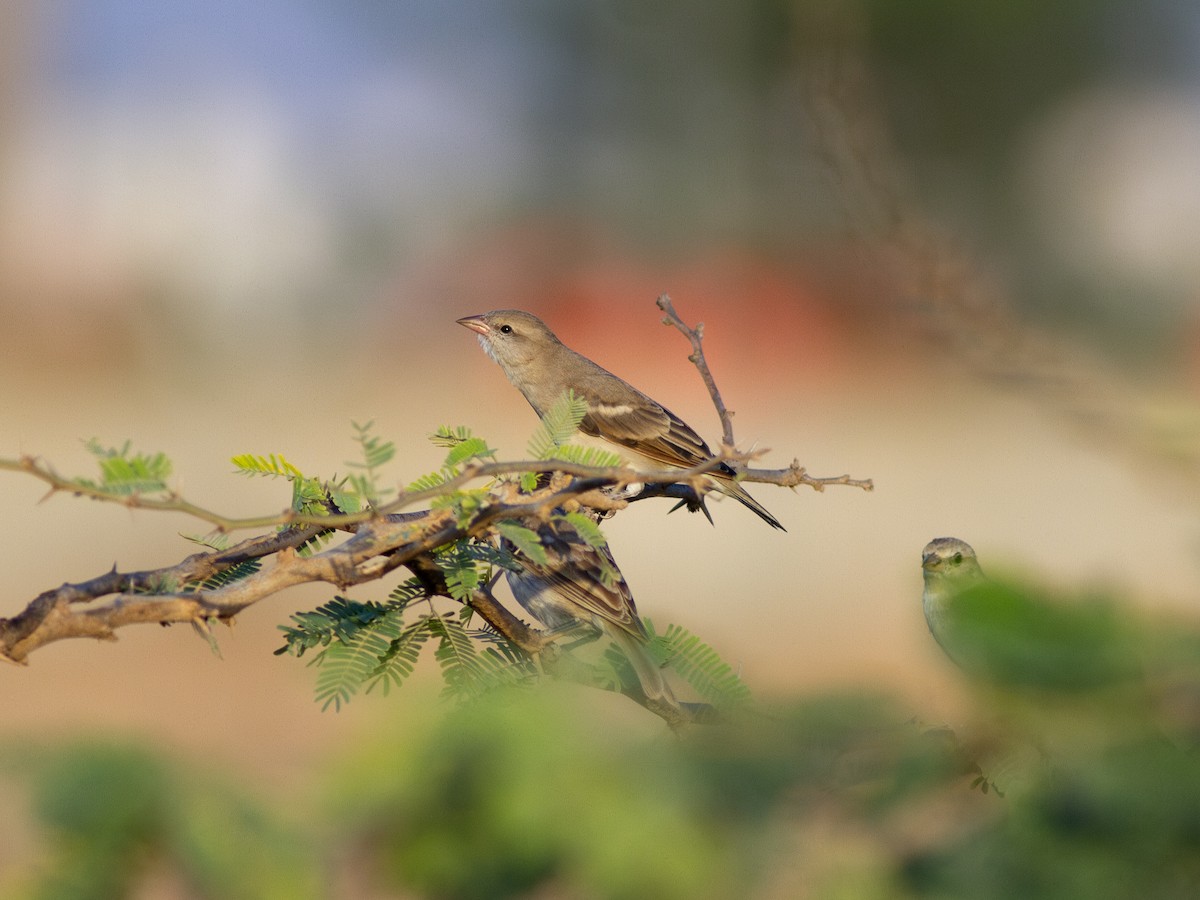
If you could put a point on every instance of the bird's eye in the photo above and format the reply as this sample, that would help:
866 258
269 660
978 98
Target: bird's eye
506 329
957 558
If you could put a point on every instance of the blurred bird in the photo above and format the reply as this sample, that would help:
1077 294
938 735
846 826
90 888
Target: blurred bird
543 369
950 568
580 585
1017 636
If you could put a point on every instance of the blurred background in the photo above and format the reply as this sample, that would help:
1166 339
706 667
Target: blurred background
950 247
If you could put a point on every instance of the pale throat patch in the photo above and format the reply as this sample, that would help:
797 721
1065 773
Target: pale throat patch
487 348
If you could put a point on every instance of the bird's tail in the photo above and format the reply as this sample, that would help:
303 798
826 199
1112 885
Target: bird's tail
731 488
648 671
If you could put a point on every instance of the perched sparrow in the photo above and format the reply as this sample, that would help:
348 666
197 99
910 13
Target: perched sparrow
543 368
580 585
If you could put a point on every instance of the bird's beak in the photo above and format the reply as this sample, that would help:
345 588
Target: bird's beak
475 323
929 562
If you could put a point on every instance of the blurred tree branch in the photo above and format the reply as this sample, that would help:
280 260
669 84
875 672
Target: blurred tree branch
965 313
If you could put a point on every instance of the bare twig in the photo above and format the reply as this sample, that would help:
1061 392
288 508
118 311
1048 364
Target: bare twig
696 337
795 474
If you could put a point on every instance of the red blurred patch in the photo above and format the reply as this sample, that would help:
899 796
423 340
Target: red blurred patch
766 322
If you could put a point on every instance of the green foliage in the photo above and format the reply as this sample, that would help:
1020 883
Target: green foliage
233 574
400 659
586 529
310 496
587 456
339 619
521 797
110 814
347 663
1017 635
214 540
550 792
124 473
526 541
699 664
463 447
457 658
376 453
557 426
369 645
406 592
556 429
461 570
271 466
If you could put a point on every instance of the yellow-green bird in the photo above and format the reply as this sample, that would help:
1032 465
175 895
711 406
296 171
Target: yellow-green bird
1015 636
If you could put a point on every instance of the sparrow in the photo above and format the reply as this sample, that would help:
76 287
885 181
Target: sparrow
542 368
949 567
1017 635
580 586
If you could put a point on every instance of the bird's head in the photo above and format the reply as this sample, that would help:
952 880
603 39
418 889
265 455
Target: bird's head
948 560
510 337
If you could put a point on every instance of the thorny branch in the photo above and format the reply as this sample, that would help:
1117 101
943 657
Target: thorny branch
378 541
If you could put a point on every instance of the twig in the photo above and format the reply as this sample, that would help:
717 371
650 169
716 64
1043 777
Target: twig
173 502
795 474
696 337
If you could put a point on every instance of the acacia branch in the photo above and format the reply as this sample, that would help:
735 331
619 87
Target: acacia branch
376 547
378 541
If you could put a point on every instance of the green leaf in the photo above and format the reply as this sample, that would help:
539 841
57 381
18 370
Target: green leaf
526 540
316 542
460 571
310 496
214 540
457 658
400 659
558 425
339 619
699 664
234 573
272 466
587 529
471 448
346 664
588 456
426 483
446 436
376 453
407 592
123 472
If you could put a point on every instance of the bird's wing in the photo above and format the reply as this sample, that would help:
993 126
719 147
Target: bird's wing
586 576
624 415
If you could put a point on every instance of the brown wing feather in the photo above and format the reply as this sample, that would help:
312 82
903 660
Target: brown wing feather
586 576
